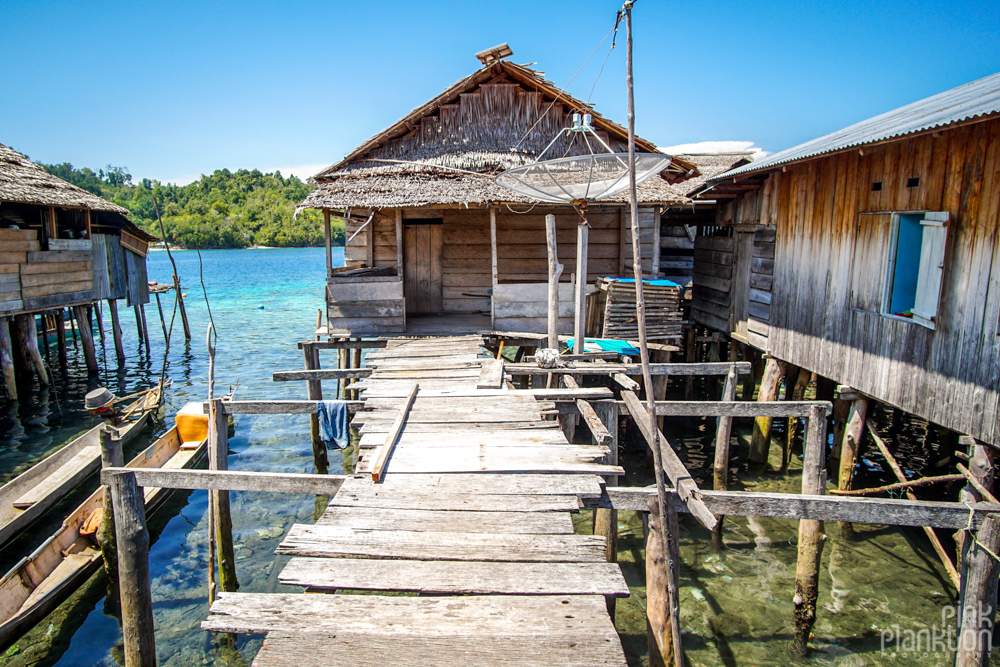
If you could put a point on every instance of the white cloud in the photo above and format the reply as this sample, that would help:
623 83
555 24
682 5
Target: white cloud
303 171
703 147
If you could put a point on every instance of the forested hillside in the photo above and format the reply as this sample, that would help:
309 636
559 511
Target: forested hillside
224 210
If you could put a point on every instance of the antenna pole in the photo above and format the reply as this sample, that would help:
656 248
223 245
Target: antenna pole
668 514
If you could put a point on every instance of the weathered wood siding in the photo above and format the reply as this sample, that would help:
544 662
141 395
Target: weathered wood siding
830 235
524 307
466 258
365 306
711 295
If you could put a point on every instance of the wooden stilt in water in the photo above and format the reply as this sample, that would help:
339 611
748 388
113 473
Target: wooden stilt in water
691 355
720 472
163 322
59 319
795 389
606 520
72 325
145 326
218 459
87 338
116 331
811 535
760 442
180 306
138 324
111 457
981 468
356 353
7 359
34 357
978 599
133 571
750 382
100 320
853 431
660 612
45 337
314 392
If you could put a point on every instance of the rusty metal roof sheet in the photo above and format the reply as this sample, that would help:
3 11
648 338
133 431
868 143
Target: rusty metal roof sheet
977 99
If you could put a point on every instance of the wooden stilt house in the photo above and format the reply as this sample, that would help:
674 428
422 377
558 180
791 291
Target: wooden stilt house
870 257
434 242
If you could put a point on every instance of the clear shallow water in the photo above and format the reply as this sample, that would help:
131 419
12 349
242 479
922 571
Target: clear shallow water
736 606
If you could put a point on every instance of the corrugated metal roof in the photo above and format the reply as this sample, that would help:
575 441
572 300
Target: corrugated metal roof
979 98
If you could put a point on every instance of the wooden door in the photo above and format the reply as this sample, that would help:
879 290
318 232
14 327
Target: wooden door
422 266
740 281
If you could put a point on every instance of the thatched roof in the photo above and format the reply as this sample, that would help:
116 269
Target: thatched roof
710 165
23 181
501 116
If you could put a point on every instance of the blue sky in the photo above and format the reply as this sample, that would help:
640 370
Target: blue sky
173 90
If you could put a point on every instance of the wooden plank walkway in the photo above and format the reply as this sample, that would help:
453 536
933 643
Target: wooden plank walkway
473 514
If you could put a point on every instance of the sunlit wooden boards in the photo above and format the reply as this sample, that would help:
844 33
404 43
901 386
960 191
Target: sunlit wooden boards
456 578
365 629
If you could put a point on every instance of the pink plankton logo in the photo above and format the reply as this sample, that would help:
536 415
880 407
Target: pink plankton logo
943 637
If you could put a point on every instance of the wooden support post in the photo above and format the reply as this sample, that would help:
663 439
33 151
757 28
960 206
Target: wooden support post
555 271
841 411
133 571
100 321
720 471
690 356
72 325
399 244
45 337
795 389
981 468
760 442
978 598
661 611
853 431
580 306
7 359
314 392
493 257
328 242
59 319
356 362
111 457
606 520
87 338
750 381
811 535
180 306
138 324
145 327
116 331
30 342
218 459
163 321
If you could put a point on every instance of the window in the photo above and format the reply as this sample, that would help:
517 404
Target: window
898 264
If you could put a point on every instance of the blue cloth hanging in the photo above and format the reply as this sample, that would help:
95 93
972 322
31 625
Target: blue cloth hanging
333 426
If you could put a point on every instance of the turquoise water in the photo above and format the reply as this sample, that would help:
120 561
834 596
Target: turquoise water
263 302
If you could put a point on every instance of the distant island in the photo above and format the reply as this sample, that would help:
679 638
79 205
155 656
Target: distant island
225 210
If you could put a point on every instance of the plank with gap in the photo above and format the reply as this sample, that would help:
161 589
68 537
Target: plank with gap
375 518
584 486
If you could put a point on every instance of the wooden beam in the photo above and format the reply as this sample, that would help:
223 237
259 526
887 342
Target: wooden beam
875 511
231 480
720 469
399 243
378 468
278 407
321 374
716 368
493 256
672 465
346 344
328 242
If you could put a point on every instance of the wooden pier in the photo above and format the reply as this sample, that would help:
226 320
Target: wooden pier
452 522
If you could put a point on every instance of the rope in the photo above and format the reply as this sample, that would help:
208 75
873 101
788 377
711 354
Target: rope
614 39
973 534
557 97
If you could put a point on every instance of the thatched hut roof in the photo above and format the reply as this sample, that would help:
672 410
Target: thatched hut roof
501 116
23 181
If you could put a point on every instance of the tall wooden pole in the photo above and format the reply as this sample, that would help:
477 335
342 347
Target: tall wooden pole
555 271
145 327
722 437
31 349
7 359
314 392
133 571
666 510
218 459
111 457
580 305
770 385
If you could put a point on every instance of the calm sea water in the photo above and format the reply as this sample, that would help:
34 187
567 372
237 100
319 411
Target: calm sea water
736 605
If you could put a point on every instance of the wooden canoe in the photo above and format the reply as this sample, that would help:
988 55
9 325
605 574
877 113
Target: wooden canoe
24 499
43 580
